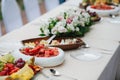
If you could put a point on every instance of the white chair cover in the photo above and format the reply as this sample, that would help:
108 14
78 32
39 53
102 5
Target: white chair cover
51 4
32 9
11 15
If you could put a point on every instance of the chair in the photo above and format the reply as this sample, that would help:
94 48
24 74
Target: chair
51 4
32 9
11 15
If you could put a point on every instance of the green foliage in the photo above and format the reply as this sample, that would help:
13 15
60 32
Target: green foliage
52 23
41 34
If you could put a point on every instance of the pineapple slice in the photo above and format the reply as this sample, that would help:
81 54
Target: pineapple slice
26 73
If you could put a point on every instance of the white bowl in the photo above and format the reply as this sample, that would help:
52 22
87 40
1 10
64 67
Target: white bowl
104 12
44 61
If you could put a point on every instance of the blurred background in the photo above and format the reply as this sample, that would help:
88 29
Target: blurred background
20 3
42 8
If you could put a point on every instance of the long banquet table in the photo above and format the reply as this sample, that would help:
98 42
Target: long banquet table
104 35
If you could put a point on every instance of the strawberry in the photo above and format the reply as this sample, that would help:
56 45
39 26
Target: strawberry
14 70
47 54
27 50
51 52
10 65
3 73
34 50
42 50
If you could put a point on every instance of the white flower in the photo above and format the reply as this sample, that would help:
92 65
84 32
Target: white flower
77 29
61 23
62 29
75 21
71 27
80 16
59 27
82 23
54 30
46 32
85 14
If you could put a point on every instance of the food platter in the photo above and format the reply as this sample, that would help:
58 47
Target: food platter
76 42
60 43
46 61
12 68
103 12
14 47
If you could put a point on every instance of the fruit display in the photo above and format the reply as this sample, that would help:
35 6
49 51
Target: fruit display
40 51
102 4
53 42
45 55
102 7
17 69
65 43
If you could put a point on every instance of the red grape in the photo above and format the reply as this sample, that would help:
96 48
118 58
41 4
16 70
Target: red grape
19 63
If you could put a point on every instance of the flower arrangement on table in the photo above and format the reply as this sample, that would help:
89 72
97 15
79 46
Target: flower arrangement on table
71 23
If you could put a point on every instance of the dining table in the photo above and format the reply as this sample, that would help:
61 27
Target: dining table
103 36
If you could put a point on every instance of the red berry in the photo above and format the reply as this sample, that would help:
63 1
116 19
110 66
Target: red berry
3 73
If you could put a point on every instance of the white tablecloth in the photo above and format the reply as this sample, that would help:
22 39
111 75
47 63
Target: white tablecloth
103 35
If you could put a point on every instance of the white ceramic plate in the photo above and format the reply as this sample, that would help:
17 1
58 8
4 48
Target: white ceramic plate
43 61
104 12
87 55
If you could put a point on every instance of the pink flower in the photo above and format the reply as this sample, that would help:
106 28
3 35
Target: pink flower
69 20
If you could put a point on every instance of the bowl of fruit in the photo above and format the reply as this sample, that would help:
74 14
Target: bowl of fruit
103 9
11 69
44 55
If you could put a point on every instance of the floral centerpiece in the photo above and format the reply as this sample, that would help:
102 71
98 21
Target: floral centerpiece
71 23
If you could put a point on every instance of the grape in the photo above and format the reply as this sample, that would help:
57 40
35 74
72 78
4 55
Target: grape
19 63
20 60
94 13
